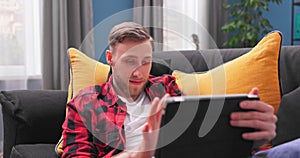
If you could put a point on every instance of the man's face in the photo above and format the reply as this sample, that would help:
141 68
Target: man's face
131 63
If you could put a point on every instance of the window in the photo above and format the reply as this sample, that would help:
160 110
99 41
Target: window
184 20
19 43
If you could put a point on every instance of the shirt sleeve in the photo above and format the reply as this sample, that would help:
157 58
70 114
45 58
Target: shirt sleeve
171 86
76 137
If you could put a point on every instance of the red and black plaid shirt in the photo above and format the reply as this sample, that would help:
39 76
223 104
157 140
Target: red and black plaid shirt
94 126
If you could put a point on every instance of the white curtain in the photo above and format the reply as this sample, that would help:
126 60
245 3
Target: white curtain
20 45
184 20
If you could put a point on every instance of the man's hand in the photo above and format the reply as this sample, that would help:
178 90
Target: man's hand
150 131
262 119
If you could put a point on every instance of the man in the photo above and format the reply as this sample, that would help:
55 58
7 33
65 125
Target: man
121 118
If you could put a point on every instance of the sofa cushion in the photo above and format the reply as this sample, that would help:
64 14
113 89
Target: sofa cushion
29 114
258 68
288 124
33 150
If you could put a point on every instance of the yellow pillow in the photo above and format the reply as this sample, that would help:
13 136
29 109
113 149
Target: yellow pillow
84 72
257 68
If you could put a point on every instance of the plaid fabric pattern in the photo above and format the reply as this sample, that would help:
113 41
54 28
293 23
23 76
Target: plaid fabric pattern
94 126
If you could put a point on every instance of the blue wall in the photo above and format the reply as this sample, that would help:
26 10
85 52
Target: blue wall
106 15
109 13
280 17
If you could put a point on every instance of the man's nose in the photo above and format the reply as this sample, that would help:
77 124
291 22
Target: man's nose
137 71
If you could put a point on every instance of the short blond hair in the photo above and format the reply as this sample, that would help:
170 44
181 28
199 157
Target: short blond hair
128 30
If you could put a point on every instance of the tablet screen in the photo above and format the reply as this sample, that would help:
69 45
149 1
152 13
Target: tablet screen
198 126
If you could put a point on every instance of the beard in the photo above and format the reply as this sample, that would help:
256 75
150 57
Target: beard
123 87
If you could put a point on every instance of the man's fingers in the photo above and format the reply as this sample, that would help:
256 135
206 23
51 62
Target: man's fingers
259 135
151 118
253 115
254 91
154 106
257 106
256 124
146 128
162 105
163 101
157 107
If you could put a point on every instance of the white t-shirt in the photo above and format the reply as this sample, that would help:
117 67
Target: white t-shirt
136 118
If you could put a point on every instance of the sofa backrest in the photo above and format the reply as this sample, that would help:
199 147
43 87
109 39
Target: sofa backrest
204 60
288 113
289 68
193 61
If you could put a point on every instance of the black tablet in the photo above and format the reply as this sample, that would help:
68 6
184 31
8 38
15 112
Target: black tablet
198 126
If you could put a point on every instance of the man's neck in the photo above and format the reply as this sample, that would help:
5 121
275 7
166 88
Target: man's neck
123 94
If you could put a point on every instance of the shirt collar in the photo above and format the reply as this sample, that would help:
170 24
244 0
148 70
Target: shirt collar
110 92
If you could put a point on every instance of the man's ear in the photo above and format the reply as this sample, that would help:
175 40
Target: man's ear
109 57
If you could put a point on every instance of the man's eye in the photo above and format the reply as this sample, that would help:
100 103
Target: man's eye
130 62
145 62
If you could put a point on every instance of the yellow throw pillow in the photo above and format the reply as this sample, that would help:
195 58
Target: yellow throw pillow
257 68
84 72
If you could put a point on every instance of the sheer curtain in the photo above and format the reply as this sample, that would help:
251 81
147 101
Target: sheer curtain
191 23
20 62
65 24
31 62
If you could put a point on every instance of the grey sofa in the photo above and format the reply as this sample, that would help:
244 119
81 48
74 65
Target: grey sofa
33 119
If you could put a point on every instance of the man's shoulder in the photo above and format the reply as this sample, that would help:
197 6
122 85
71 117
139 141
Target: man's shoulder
163 78
158 86
89 96
92 90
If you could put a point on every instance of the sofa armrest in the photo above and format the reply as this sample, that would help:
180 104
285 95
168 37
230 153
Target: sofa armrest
288 118
33 151
32 116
